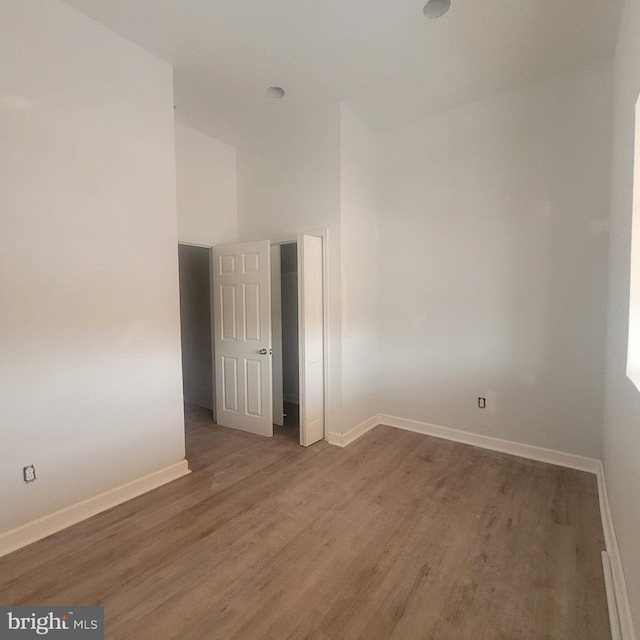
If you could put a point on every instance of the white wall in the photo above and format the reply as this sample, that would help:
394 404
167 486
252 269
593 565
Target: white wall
90 386
289 183
493 253
360 269
206 188
622 407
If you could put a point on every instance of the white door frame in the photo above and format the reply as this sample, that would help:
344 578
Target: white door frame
324 234
321 233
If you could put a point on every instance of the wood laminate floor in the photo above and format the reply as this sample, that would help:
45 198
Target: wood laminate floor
399 536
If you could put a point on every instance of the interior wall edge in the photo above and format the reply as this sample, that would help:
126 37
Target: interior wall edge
345 439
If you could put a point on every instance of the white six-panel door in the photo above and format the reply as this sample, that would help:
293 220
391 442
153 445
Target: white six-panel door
242 336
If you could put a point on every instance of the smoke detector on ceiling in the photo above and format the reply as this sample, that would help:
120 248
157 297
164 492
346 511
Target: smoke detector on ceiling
275 92
436 8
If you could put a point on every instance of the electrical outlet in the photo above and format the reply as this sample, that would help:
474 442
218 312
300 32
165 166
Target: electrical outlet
29 473
482 403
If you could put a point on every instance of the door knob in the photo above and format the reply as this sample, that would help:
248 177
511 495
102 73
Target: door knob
264 352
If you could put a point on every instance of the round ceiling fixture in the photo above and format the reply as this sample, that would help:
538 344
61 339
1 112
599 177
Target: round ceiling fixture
275 92
436 8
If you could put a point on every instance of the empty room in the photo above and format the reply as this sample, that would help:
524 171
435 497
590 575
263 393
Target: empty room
320 320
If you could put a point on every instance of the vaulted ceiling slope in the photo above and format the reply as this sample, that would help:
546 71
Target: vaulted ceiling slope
383 57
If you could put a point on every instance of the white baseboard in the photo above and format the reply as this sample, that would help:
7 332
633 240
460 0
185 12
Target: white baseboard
345 439
54 522
614 621
529 451
620 611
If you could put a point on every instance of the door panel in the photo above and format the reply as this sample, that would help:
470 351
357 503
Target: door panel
252 312
311 318
230 384
228 305
253 394
242 336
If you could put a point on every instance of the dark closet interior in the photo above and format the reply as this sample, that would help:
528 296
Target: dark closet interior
195 325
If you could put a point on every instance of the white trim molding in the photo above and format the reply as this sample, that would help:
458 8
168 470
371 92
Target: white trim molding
345 439
528 451
614 620
54 522
621 607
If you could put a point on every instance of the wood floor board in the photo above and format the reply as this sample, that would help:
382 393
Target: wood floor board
399 536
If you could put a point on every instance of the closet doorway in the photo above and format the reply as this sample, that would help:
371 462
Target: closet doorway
250 359
284 326
195 325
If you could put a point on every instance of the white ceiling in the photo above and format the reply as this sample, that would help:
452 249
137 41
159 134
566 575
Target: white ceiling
383 57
